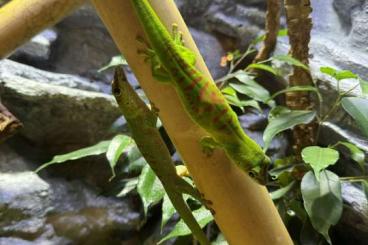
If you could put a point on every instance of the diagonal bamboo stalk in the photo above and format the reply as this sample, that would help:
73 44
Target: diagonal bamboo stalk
243 210
20 20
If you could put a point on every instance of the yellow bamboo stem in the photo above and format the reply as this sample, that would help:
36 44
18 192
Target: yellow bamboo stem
243 210
20 20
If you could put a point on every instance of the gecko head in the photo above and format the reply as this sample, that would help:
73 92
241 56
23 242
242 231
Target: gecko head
115 86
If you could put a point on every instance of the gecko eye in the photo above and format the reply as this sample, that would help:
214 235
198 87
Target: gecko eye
116 91
252 174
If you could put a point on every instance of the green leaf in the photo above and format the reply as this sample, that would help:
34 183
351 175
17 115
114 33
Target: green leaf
203 217
74 155
228 90
356 153
115 61
134 160
220 240
328 70
297 89
286 119
264 67
252 90
322 200
282 191
358 109
149 188
338 75
117 146
243 77
234 100
364 86
365 188
345 74
168 209
282 32
130 185
290 60
319 158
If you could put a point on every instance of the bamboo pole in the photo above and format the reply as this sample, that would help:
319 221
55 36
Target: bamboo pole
20 20
243 210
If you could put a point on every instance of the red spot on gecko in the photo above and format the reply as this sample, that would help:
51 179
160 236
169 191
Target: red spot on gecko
209 108
217 118
222 127
180 79
191 86
203 90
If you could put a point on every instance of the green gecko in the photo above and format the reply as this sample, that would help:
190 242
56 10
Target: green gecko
142 123
174 64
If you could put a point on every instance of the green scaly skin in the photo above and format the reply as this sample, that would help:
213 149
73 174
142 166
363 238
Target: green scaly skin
174 64
142 123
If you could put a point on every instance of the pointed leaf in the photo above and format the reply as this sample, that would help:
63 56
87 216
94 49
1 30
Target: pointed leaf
338 75
328 70
129 186
234 100
264 67
296 89
282 191
345 74
364 87
285 120
365 188
203 217
117 146
134 161
243 76
358 109
228 90
253 90
291 61
149 188
220 240
319 158
322 200
74 155
168 209
115 61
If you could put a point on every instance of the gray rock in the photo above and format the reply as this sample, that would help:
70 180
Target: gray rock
40 241
83 46
344 8
56 118
11 161
37 50
227 23
24 203
353 226
55 211
85 217
359 32
192 8
10 70
211 51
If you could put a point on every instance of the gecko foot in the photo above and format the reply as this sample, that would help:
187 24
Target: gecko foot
208 145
